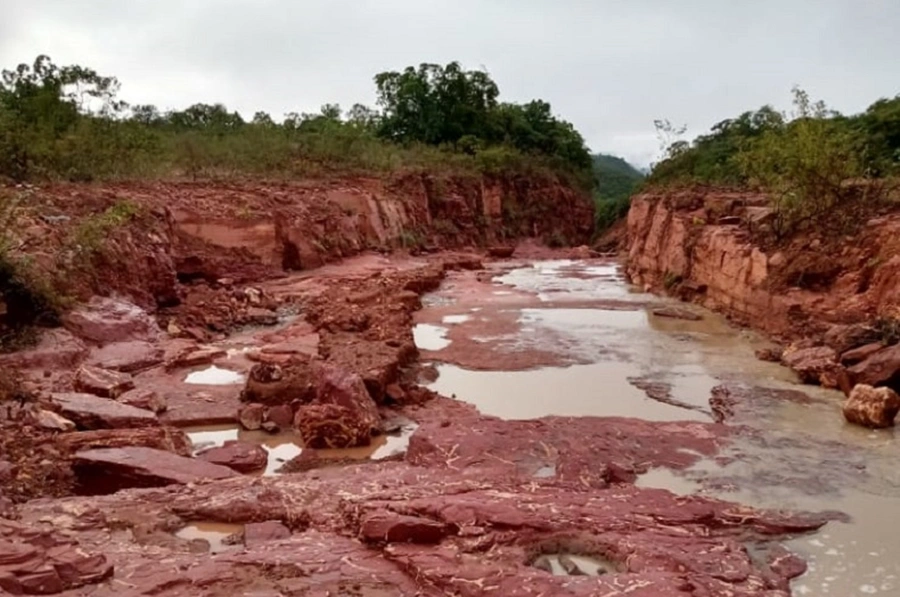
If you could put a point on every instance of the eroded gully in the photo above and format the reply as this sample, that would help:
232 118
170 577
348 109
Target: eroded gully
571 338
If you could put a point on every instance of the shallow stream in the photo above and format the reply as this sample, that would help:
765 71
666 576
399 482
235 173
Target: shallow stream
609 354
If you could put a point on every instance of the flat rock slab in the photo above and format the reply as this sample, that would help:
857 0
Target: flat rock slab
127 357
107 320
93 412
110 469
158 438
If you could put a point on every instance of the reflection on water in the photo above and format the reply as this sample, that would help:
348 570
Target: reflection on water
214 376
430 337
601 389
287 445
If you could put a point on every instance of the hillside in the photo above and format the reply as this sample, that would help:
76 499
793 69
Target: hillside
615 180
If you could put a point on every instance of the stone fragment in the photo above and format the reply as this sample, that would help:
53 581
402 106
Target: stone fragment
256 533
47 419
102 382
389 527
325 426
872 407
108 320
127 357
281 416
251 416
242 457
274 384
108 470
861 353
144 398
815 365
677 313
878 368
169 439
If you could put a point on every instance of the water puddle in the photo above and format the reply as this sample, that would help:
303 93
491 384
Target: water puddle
214 376
569 320
572 565
285 446
571 280
218 534
663 478
600 389
430 337
799 453
454 319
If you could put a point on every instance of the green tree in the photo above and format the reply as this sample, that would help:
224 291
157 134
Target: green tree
804 164
435 104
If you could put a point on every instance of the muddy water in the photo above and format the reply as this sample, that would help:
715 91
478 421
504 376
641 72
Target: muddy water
284 446
799 454
214 533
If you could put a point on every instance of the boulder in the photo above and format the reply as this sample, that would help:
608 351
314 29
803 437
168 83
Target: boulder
815 365
280 416
857 355
878 368
770 355
845 337
169 439
93 412
109 320
273 384
144 398
256 533
872 407
251 416
325 426
339 387
242 457
102 382
388 527
127 357
108 470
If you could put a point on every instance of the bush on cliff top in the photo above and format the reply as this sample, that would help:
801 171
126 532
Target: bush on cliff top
814 163
68 123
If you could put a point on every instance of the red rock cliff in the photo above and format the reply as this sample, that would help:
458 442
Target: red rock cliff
700 245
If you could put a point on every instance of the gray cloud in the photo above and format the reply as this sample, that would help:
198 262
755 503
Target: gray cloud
609 66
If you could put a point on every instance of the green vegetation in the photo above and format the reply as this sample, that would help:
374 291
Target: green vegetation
615 181
67 123
817 165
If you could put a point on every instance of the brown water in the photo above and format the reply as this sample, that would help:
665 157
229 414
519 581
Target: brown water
214 533
805 456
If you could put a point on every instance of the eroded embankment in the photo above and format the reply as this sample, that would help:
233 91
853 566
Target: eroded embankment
836 293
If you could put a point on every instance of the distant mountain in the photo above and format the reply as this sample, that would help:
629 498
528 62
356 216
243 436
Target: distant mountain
614 176
614 182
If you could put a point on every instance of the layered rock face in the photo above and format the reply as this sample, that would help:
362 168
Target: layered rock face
832 292
701 245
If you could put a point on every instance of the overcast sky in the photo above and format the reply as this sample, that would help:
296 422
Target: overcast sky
609 66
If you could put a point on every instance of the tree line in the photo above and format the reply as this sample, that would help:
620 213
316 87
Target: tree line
67 122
